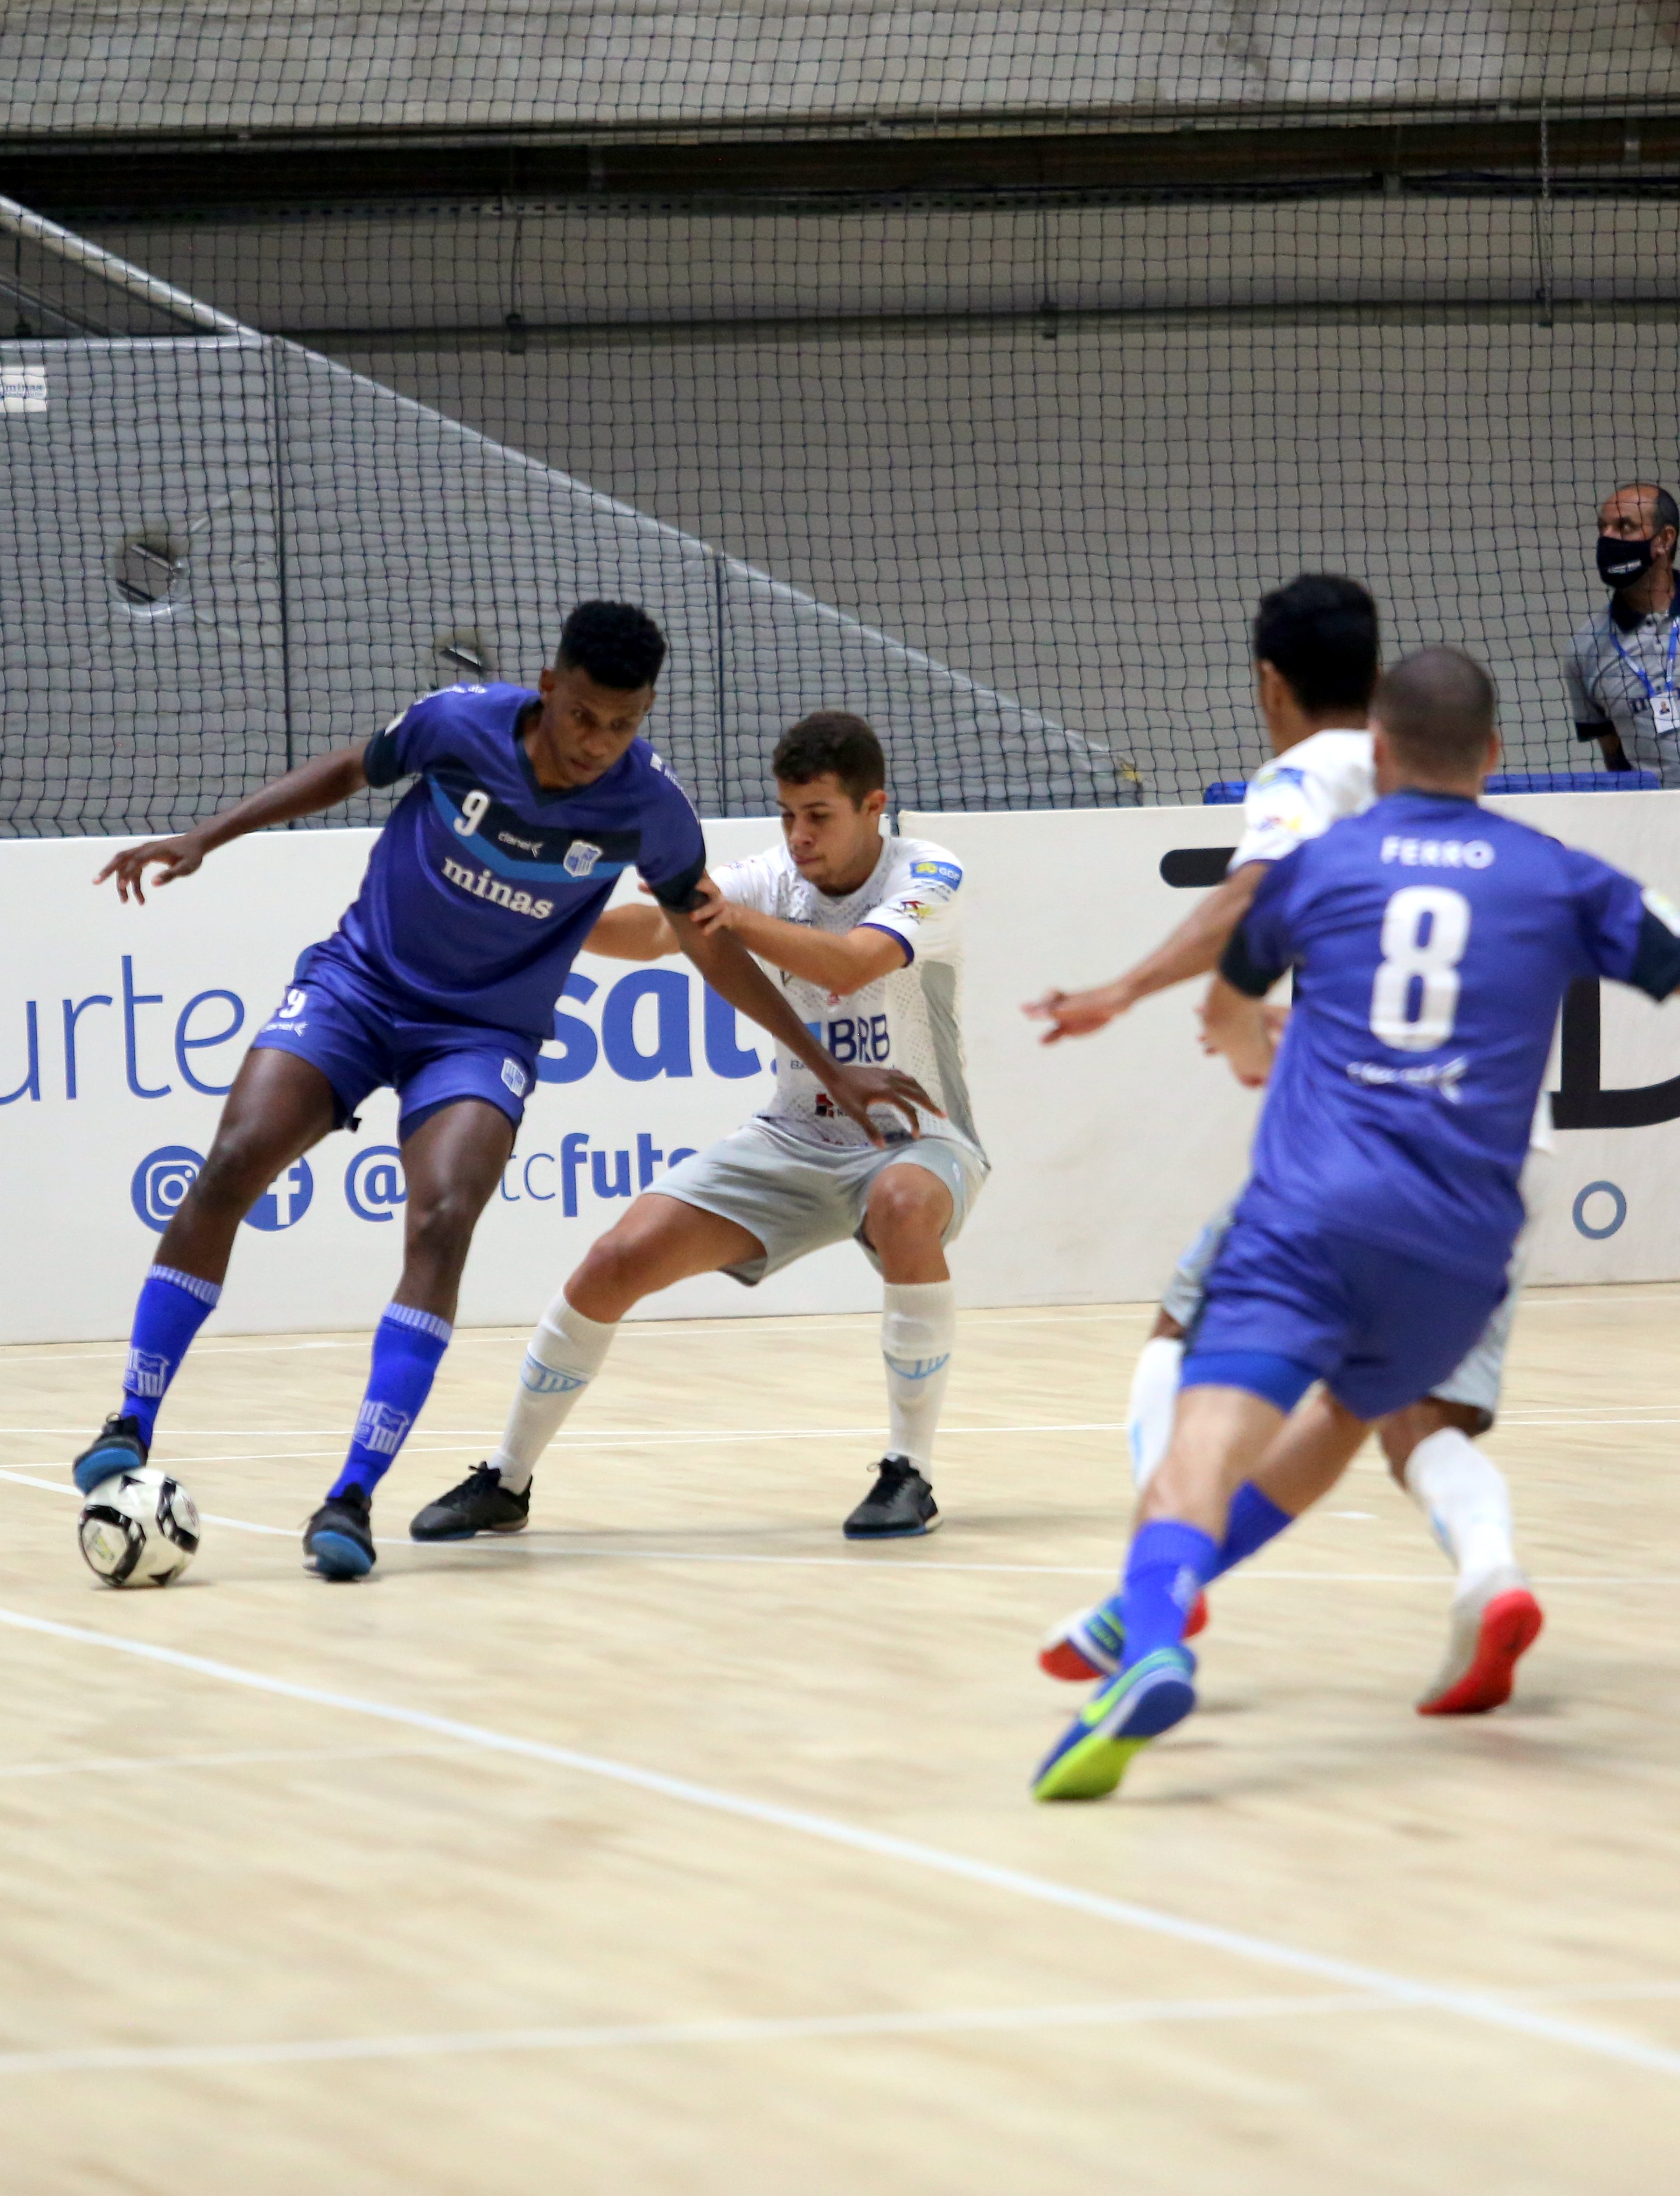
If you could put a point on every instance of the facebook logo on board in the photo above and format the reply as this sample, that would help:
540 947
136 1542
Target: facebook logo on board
286 1200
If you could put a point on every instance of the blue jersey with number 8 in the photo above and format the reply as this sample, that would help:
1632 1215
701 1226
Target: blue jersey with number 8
1432 942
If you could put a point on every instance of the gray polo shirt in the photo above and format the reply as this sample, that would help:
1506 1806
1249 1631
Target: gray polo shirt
1602 666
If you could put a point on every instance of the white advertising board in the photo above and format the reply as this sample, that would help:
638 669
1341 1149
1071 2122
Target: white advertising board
121 1026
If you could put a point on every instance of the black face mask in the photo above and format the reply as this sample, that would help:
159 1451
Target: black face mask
1621 563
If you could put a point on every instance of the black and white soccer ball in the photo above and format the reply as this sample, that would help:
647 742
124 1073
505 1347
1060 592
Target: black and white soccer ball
139 1529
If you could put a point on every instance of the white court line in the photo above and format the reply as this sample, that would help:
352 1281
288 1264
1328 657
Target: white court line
818 2027
648 1330
687 1330
702 1330
123 1764
123 2059
874 1563
1478 2006
1568 1415
1543 1299
204 1350
614 1434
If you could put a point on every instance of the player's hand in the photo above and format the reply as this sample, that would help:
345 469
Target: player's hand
856 1089
171 858
1077 1013
715 913
1249 1044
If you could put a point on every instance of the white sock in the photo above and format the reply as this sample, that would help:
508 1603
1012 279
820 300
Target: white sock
919 1328
564 1356
1466 1500
1149 1412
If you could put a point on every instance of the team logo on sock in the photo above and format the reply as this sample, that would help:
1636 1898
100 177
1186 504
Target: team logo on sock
380 1427
148 1373
543 1380
918 1368
1187 1587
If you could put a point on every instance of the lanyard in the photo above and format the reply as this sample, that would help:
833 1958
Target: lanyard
1638 669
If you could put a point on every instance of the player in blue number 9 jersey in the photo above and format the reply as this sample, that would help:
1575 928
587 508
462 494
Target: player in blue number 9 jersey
1432 942
441 981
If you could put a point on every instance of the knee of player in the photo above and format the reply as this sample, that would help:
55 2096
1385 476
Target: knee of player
906 1204
441 1225
617 1262
235 1175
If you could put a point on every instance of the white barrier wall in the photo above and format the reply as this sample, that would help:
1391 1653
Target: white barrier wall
119 1028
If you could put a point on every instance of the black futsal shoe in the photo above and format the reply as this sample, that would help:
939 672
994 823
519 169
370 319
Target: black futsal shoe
116 1448
899 1503
481 1504
339 1540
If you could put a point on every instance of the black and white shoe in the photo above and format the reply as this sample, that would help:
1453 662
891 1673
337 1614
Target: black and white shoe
481 1504
899 1503
116 1448
339 1540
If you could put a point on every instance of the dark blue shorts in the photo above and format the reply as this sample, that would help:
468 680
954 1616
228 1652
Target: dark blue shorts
1379 1329
361 1042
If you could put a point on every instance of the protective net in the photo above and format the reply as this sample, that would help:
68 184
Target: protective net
972 368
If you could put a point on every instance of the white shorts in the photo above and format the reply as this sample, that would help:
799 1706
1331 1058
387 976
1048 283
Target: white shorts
796 1197
1475 1382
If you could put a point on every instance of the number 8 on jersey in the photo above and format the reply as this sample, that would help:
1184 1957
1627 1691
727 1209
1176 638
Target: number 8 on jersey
1425 930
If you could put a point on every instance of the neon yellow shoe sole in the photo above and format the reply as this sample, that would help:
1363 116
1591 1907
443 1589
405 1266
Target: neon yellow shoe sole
1094 1753
1089 1770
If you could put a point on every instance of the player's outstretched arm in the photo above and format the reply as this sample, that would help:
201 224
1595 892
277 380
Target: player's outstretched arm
322 783
1192 950
632 933
735 975
842 963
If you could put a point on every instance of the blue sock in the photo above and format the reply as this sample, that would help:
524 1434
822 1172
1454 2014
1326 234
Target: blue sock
408 1347
1253 1520
1165 1567
173 1307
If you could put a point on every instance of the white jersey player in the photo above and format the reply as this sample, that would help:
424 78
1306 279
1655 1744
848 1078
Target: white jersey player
1315 661
865 931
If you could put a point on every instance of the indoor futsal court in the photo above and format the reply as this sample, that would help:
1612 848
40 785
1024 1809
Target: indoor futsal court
839 1098
673 1841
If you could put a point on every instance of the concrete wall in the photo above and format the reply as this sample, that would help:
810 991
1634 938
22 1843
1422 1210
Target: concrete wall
113 64
590 263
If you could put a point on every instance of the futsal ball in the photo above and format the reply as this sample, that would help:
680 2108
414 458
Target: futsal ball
139 1529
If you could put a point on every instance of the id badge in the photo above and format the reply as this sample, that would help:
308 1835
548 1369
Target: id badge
1665 712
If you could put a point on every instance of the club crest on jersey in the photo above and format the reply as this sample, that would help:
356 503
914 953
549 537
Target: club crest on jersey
580 858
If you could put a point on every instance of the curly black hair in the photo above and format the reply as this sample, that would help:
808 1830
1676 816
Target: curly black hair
614 643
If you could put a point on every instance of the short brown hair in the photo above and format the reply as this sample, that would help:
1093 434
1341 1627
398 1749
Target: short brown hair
1437 708
832 742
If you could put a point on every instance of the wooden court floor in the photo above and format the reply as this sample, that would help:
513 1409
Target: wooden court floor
677 1846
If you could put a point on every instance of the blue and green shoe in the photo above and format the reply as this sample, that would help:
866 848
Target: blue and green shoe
1120 1718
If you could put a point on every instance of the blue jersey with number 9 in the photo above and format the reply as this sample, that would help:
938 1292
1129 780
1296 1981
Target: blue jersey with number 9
1432 942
